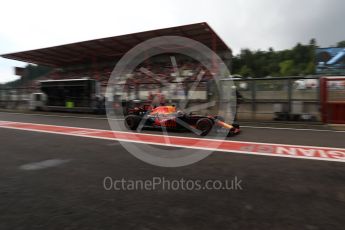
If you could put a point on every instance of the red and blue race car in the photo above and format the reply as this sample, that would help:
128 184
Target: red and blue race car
166 117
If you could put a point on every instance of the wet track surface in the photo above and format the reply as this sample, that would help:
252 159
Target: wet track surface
277 193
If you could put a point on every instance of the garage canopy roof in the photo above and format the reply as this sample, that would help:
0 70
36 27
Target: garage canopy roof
114 47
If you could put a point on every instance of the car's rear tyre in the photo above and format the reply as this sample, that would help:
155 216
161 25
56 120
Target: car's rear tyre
132 122
204 125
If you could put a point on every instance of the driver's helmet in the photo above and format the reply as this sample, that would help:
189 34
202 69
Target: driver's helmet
180 113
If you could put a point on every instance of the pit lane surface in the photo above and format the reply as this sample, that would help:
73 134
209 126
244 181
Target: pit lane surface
278 193
314 137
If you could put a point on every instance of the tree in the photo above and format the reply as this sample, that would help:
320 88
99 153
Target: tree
245 71
310 69
287 68
31 73
300 60
312 42
341 44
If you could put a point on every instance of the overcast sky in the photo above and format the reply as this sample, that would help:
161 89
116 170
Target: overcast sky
254 24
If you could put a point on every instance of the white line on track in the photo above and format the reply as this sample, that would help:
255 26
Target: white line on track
294 129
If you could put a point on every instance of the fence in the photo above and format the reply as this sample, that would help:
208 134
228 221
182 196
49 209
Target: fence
15 98
291 98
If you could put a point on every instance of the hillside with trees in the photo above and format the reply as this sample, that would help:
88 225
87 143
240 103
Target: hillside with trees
31 72
300 60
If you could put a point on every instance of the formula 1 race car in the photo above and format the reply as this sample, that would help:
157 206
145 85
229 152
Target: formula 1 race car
167 117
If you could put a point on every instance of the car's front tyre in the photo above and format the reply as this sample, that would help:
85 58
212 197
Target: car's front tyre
204 125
